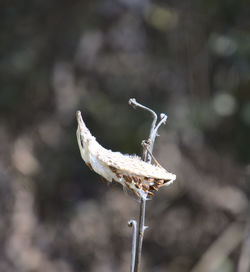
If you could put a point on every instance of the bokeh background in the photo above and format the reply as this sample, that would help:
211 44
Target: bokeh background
189 59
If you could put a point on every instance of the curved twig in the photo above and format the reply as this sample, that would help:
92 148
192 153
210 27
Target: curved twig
133 224
147 156
134 104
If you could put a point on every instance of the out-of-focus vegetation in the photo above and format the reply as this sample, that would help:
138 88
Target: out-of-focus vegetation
189 59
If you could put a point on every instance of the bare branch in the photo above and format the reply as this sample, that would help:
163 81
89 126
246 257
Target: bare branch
164 118
134 104
140 234
147 156
145 145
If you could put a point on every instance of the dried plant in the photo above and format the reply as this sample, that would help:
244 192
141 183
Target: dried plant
138 175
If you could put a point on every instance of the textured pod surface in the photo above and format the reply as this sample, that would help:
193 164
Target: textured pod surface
130 171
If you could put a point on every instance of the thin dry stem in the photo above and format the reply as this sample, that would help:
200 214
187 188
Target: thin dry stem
147 156
133 224
134 104
140 234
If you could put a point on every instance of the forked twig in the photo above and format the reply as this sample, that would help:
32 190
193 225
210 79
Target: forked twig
147 156
145 146
151 140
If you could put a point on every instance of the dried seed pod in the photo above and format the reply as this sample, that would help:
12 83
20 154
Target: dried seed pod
119 175
145 187
138 186
159 181
155 187
114 166
127 178
138 180
104 180
90 166
113 169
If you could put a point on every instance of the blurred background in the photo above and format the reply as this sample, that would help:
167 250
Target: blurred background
189 59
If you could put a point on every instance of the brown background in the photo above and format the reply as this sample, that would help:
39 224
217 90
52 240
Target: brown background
189 59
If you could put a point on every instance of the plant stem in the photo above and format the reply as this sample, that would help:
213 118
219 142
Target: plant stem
140 234
147 151
133 224
152 134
